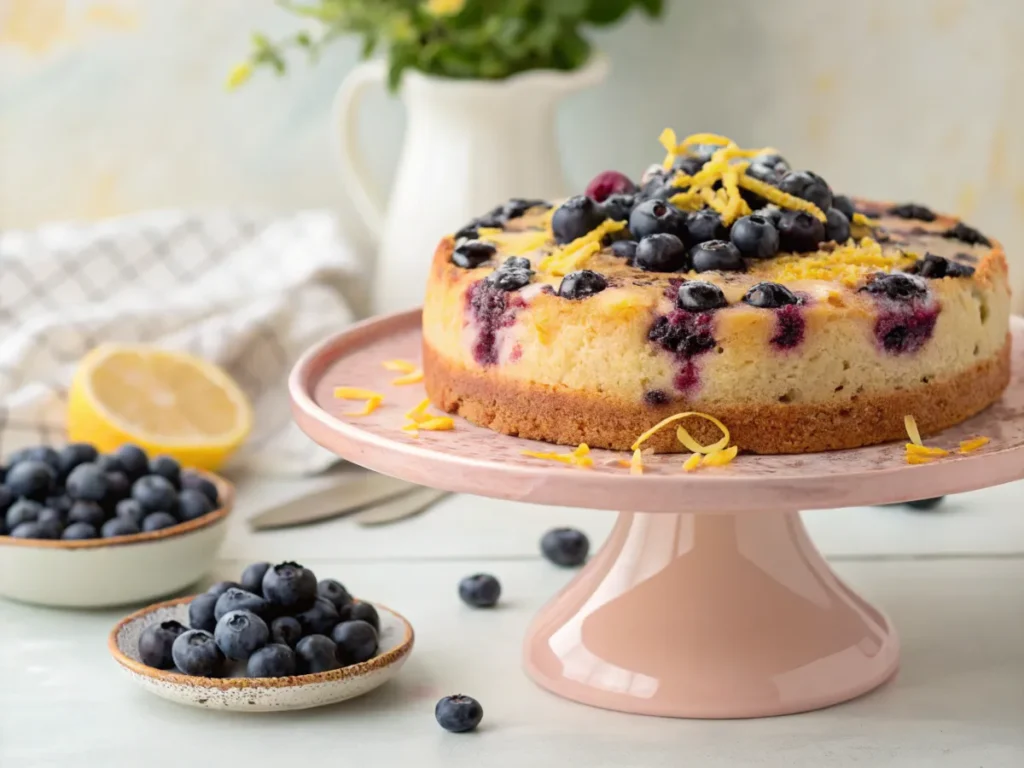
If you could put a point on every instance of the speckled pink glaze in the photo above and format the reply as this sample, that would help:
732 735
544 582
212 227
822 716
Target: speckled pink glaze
741 615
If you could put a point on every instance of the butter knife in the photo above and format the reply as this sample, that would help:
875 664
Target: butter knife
351 492
400 507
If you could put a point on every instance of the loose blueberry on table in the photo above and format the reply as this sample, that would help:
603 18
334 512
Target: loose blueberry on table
77 493
290 624
458 713
481 590
566 547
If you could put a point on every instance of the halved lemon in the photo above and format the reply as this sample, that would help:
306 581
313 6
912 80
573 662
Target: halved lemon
164 402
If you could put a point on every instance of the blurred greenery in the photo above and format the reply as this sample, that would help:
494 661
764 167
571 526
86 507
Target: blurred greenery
487 39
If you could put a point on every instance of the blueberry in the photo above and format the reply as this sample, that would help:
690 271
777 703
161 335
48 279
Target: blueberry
771 212
50 524
110 463
241 633
156 641
291 586
468 232
661 188
967 235
195 481
767 173
581 284
704 225
23 511
30 530
235 599
363 612
286 630
31 479
6 499
119 526
130 509
618 207
661 252
118 487
168 468
755 236
609 184
458 714
318 619
61 503
926 503
654 217
799 231
770 296
897 286
335 592
574 218
688 164
472 254
912 211
625 249
481 590
698 296
844 205
808 186
87 482
156 521
252 576
192 504
201 612
155 494
196 653
356 642
772 160
510 278
87 512
45 454
221 587
72 455
79 531
316 653
517 206
717 256
133 461
837 226
565 546
273 660
935 267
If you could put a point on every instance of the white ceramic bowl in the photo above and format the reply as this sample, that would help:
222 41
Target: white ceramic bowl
97 573
275 694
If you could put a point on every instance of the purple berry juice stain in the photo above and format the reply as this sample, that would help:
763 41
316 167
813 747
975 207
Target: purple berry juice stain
492 310
686 335
789 327
655 397
902 329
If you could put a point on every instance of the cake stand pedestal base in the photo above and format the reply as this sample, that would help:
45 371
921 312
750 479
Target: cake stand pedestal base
712 616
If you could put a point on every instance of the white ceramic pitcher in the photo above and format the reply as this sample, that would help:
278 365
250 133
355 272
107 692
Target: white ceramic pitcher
469 146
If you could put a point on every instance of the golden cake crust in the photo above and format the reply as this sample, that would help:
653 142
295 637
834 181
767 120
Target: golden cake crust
540 412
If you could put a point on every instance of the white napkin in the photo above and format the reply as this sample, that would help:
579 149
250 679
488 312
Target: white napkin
246 291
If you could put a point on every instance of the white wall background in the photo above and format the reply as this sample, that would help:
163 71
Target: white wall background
109 107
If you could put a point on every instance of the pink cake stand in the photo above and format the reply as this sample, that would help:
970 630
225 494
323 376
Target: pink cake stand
708 599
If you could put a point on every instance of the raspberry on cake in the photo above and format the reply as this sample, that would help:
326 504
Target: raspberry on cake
726 283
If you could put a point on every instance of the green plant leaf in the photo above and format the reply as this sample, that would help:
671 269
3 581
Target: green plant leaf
603 12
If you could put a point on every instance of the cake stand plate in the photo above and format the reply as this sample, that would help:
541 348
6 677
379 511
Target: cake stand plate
708 599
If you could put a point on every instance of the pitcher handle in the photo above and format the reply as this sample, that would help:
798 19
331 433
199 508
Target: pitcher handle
361 188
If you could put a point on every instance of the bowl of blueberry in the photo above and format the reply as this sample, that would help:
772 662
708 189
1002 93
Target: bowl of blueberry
276 640
83 529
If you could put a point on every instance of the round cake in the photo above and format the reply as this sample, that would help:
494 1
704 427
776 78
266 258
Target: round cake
722 282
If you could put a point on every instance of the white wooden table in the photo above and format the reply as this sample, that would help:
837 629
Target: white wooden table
952 580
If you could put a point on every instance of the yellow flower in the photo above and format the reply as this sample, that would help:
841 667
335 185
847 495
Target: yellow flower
238 75
444 7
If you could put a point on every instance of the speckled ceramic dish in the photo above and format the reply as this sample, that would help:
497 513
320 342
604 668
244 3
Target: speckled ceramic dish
263 694
96 573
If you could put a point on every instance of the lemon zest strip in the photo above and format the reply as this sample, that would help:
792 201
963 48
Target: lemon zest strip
692 463
864 221
910 424
923 450
780 198
679 417
413 377
419 413
578 457
966 446
720 458
373 399
636 464
402 366
915 459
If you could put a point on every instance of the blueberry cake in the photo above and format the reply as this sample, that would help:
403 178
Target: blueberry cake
722 282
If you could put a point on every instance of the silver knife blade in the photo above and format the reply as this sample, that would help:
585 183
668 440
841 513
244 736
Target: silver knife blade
353 490
399 508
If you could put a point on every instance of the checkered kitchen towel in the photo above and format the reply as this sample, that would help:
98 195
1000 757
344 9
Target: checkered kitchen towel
249 292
